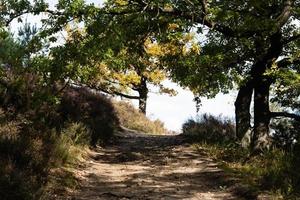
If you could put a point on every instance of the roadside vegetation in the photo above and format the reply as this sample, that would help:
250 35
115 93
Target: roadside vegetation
275 171
36 158
133 119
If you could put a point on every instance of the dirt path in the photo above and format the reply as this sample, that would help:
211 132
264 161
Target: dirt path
152 167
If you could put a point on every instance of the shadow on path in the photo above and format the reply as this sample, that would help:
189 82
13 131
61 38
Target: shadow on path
144 167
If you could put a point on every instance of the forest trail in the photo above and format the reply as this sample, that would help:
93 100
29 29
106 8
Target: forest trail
141 166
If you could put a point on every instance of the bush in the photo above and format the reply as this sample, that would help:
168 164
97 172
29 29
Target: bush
24 159
131 118
210 129
93 109
28 151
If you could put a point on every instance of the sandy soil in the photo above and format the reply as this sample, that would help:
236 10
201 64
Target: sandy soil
145 167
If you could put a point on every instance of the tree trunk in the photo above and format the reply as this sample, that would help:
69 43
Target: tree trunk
143 104
261 139
143 94
242 109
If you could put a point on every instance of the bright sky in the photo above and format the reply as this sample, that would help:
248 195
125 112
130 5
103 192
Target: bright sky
173 111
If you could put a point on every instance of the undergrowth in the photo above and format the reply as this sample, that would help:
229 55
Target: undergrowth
276 171
39 148
28 156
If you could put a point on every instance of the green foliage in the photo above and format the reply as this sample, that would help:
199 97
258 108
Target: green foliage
133 119
34 136
285 133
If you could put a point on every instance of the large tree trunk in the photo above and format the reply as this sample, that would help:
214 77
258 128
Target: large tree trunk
261 139
242 110
143 94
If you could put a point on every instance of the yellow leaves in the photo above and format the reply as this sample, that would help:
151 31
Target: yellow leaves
156 49
173 26
168 7
153 49
128 78
189 37
184 45
155 76
121 2
170 49
196 48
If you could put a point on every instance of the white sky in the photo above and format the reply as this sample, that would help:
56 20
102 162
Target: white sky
173 111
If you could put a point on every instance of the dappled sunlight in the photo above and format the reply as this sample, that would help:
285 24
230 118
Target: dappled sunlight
152 167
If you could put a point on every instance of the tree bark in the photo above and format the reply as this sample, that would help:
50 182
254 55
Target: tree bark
242 109
143 95
260 138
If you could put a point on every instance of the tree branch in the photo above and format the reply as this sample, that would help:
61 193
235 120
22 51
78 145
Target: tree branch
285 14
204 7
14 16
107 91
285 114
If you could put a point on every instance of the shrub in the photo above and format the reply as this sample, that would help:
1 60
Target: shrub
210 129
28 151
285 133
131 118
23 159
93 109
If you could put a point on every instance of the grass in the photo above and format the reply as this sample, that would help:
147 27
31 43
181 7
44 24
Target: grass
266 173
131 118
30 153
275 172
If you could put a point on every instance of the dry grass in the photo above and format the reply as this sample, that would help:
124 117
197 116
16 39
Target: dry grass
276 170
131 118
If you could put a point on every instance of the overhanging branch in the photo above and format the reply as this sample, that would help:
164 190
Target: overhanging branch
107 91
